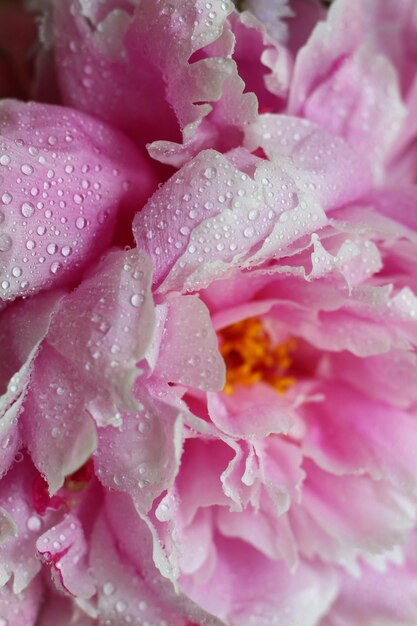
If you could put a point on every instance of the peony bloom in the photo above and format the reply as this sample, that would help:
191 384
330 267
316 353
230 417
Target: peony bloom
208 316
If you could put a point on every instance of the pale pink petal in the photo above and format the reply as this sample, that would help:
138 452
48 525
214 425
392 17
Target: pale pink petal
343 516
333 171
188 352
197 232
65 179
21 609
265 586
139 544
250 412
105 327
142 454
328 84
22 327
121 589
18 560
64 547
58 432
379 597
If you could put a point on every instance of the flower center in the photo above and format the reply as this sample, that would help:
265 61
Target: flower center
251 357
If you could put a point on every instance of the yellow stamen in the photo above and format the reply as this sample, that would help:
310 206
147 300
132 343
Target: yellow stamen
250 357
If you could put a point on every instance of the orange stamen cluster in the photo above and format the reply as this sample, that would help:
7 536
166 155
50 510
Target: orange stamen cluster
250 357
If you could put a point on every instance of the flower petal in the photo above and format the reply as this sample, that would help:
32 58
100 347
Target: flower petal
65 178
188 352
64 547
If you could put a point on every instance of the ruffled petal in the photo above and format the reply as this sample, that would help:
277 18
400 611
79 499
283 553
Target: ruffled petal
157 92
197 232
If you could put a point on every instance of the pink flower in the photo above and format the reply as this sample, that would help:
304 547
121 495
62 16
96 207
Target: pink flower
208 316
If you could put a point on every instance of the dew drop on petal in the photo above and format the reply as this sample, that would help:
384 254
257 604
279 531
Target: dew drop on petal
27 209
108 588
5 242
34 523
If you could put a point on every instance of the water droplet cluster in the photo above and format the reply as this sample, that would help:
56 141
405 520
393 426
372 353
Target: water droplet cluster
58 191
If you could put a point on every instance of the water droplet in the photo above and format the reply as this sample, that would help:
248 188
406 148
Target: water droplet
4 159
5 242
80 223
210 172
136 300
34 523
248 232
17 271
78 199
120 606
27 209
66 251
56 267
41 230
51 248
26 169
6 198
108 588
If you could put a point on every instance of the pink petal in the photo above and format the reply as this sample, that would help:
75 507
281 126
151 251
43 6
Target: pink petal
354 514
21 609
17 552
223 219
340 440
141 456
121 588
60 609
265 584
65 178
58 432
105 327
325 161
139 545
329 75
377 597
64 547
157 92
23 326
250 412
188 352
